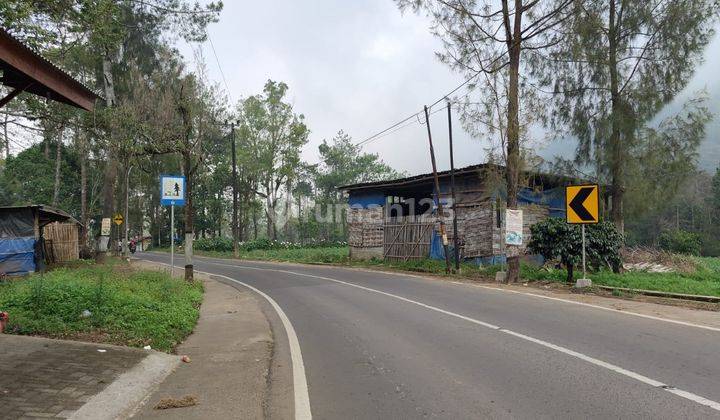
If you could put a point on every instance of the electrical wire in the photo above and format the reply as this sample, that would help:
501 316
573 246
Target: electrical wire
382 133
222 74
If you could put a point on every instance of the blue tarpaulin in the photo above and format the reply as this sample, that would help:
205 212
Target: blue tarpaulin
17 255
365 200
437 252
553 198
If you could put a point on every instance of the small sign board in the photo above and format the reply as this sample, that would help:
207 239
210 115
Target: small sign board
582 204
172 190
105 227
513 227
118 219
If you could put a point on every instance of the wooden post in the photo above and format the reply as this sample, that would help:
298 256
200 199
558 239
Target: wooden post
441 215
235 193
452 191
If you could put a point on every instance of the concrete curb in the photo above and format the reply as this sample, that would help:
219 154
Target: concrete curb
125 395
684 296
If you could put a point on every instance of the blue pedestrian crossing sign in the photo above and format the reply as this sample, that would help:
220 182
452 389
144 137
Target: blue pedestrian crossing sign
172 190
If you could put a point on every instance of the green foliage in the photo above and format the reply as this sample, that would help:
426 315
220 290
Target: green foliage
555 239
268 244
680 241
135 308
324 255
29 177
343 163
213 244
702 282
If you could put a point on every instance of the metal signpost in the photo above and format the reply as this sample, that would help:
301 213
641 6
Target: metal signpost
582 208
172 193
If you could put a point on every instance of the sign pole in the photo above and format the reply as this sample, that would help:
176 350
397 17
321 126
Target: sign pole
172 240
583 250
582 207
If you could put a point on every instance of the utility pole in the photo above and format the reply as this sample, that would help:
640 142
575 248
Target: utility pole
234 192
127 218
452 192
441 214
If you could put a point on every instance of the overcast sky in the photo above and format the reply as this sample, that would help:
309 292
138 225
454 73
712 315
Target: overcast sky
361 66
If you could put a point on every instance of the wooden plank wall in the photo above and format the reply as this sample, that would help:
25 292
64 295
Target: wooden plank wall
64 240
407 238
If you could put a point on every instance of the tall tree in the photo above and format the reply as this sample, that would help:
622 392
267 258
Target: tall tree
614 65
486 37
273 134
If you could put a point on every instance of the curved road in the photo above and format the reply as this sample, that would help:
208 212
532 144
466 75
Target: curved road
378 345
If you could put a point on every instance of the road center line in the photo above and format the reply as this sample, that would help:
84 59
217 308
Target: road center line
597 362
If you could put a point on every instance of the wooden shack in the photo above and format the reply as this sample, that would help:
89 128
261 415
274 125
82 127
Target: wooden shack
397 219
24 244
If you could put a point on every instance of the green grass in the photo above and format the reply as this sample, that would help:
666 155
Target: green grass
704 281
327 255
129 307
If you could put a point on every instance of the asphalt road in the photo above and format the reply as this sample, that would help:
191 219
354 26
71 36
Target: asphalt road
379 345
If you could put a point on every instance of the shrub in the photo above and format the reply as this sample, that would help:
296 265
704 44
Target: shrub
681 242
269 244
553 238
214 244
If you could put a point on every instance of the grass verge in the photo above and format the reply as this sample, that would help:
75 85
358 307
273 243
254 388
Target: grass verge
127 306
701 282
705 280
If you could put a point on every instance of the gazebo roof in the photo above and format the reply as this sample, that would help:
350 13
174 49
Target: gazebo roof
25 70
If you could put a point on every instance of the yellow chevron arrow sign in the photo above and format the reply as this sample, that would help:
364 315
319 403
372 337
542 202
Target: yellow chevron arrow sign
582 204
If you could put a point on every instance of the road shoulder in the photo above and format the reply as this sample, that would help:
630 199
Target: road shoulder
230 354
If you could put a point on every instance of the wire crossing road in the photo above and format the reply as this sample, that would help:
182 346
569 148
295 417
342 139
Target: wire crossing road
378 345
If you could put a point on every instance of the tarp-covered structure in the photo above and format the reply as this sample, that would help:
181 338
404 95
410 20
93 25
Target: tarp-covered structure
21 236
397 219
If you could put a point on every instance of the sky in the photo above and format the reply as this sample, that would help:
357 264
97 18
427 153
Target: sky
361 66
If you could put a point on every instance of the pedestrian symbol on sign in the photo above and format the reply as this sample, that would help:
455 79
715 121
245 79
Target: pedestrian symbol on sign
172 190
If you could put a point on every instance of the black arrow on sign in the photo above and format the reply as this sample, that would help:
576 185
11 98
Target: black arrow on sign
578 204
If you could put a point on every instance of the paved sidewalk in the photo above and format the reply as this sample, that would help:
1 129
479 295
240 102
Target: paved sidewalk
41 378
230 351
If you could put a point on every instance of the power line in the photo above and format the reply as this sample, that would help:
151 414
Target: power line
222 74
382 132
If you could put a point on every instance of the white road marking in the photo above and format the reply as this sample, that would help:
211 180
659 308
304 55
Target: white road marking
300 387
590 305
597 362
574 302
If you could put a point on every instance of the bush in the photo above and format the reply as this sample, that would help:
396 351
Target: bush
126 307
214 244
680 242
553 238
269 244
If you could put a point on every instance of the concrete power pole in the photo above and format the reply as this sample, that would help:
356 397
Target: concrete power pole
234 192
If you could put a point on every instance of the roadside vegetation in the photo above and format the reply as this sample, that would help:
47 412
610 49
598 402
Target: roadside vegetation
691 274
111 303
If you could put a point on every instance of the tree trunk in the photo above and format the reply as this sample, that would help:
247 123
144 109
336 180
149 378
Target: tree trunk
7 139
616 157
58 163
83 197
189 229
110 174
513 137
269 214
570 274
255 224
46 140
